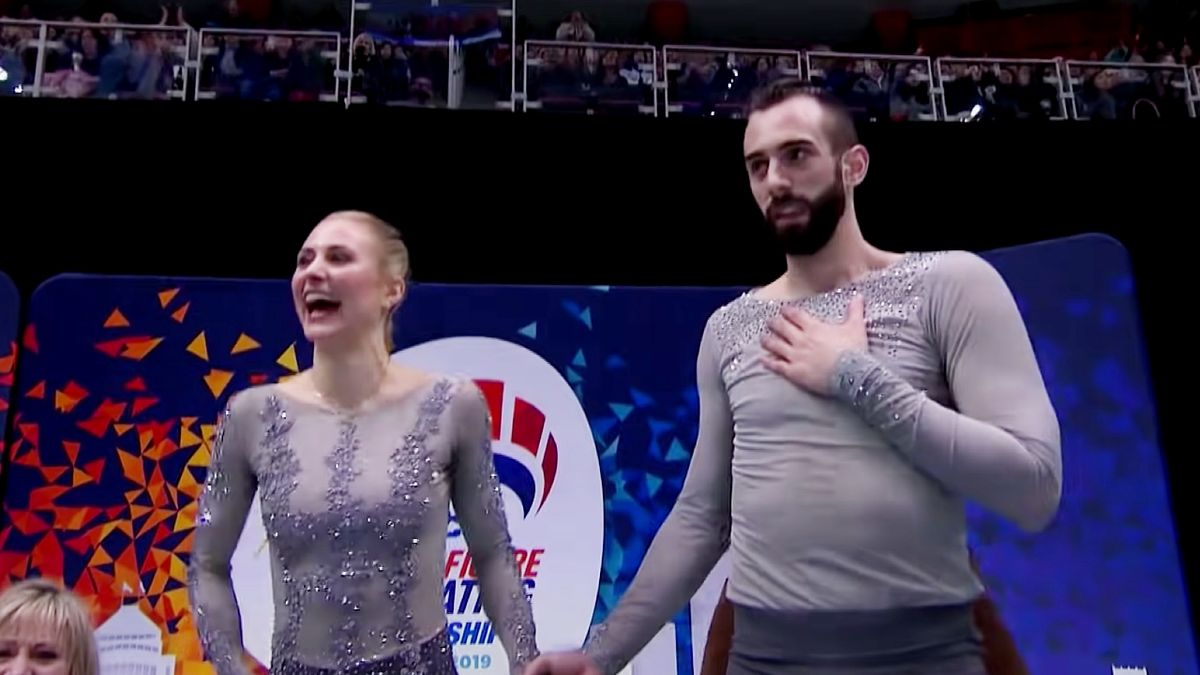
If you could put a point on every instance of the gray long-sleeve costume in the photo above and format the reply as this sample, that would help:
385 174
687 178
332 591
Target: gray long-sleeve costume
855 501
355 508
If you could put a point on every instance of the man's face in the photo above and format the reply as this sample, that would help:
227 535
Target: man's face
795 175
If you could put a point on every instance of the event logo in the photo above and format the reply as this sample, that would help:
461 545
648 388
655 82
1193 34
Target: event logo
547 464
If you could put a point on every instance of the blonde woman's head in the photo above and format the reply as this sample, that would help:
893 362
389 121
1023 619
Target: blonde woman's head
351 274
45 630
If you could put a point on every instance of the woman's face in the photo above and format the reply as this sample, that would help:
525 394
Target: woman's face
32 649
340 288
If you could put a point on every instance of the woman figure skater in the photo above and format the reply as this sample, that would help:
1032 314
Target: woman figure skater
356 462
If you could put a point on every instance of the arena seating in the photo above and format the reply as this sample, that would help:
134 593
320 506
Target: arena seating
472 59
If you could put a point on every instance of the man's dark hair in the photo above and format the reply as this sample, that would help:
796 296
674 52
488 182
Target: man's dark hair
839 126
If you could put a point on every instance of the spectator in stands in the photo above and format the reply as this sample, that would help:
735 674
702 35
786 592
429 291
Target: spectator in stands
45 630
575 29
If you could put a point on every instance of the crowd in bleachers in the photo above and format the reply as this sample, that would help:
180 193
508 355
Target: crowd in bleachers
106 59
401 55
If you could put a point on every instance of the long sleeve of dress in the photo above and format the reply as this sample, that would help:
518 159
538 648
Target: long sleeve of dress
690 542
480 509
999 443
222 509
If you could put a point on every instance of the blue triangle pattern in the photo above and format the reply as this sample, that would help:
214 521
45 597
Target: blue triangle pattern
678 453
659 426
602 425
614 362
611 450
653 483
573 377
529 331
579 391
640 398
653 450
621 410
572 308
586 317
579 361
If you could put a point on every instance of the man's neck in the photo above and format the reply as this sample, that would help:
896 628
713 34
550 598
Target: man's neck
846 258
348 377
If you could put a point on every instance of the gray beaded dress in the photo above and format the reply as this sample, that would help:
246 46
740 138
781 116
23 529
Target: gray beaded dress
355 508
848 511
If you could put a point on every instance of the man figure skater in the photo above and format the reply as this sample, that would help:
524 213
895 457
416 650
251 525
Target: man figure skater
847 411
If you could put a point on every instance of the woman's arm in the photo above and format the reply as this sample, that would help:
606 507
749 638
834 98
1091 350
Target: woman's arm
480 510
222 509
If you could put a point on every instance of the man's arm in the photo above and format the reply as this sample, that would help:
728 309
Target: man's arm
999 445
692 539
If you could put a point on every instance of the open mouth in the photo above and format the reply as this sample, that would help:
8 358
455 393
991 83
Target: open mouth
319 307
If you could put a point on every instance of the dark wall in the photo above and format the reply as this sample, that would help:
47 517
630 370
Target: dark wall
226 190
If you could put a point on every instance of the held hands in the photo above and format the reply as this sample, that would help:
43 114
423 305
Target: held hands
562 663
804 349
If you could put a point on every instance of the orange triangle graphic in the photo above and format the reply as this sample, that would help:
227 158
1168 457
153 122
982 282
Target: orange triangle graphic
137 351
179 314
116 320
165 297
217 380
199 346
244 343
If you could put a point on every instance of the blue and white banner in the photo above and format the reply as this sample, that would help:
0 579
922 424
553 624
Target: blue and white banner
594 406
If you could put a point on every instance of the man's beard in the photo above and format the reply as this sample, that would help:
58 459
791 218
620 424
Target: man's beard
824 213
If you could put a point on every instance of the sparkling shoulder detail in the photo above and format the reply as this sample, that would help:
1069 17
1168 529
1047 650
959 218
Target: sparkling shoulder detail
893 295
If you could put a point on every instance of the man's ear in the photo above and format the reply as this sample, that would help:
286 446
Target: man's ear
855 163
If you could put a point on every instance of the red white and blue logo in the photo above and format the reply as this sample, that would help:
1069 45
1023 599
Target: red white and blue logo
546 460
529 462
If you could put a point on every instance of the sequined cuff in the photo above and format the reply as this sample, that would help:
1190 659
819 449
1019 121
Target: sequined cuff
883 400
851 376
595 649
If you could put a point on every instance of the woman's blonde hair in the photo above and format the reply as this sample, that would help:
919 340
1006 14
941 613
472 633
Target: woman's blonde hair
393 254
45 603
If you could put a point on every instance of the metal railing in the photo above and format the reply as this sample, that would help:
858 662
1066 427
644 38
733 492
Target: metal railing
1008 88
702 81
1106 90
591 77
877 86
97 60
113 60
306 64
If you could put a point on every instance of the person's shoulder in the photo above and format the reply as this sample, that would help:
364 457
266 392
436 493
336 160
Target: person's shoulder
457 391
732 312
251 401
959 270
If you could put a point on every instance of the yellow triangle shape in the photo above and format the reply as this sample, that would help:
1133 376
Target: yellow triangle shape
217 380
121 429
188 438
100 557
165 297
288 359
244 343
79 478
116 320
199 346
